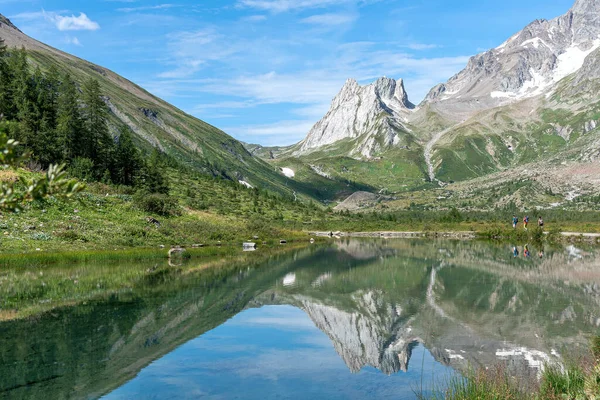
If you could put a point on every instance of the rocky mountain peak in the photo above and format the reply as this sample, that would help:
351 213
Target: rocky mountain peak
389 89
529 64
362 111
586 7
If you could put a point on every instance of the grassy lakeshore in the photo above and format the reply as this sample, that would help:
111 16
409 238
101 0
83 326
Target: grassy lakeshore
577 380
114 223
207 210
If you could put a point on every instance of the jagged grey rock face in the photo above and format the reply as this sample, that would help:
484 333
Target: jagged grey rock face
528 64
373 112
365 338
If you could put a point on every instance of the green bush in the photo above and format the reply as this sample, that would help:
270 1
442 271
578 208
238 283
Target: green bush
157 203
82 168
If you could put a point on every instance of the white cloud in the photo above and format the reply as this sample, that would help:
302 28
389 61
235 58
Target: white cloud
279 6
190 51
146 8
330 19
422 46
28 16
275 134
271 88
254 18
62 23
73 23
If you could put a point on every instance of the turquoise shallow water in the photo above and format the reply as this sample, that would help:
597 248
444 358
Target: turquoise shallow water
352 319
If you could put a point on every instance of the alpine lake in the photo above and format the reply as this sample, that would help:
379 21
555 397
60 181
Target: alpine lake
349 318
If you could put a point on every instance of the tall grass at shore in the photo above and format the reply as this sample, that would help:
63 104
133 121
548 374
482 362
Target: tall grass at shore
577 381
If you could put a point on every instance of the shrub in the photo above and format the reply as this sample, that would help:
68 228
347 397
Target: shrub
157 203
82 168
70 236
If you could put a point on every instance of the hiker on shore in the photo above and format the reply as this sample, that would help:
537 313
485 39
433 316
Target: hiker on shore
515 252
525 222
526 252
540 222
515 221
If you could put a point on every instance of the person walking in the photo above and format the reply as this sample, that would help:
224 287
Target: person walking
540 223
515 221
525 221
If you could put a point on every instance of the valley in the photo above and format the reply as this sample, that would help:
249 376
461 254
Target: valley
445 248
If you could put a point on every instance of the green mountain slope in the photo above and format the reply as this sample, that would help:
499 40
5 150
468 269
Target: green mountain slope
156 123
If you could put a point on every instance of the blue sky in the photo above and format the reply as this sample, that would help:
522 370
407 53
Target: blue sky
265 71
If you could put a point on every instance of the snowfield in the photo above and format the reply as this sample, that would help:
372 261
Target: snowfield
288 172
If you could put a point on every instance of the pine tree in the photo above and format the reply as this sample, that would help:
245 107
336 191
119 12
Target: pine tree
99 145
70 131
46 148
154 178
5 98
128 161
24 94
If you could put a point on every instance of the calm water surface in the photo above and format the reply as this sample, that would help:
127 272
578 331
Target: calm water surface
353 319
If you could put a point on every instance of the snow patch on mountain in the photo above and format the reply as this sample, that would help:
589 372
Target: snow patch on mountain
288 172
572 60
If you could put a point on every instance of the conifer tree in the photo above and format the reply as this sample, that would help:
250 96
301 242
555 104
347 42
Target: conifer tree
69 130
154 178
127 159
99 145
5 99
46 148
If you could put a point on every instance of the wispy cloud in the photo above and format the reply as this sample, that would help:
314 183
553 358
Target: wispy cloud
73 23
422 46
279 6
62 23
189 51
254 18
331 19
146 8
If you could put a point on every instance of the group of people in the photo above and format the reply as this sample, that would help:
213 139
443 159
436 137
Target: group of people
515 222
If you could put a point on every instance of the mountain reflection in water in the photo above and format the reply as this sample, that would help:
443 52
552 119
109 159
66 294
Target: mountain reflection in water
379 303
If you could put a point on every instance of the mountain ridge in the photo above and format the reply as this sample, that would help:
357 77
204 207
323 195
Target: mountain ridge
529 101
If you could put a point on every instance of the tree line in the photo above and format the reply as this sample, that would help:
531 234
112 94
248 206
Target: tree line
60 122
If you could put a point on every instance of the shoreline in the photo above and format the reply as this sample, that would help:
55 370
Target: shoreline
462 235
467 235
